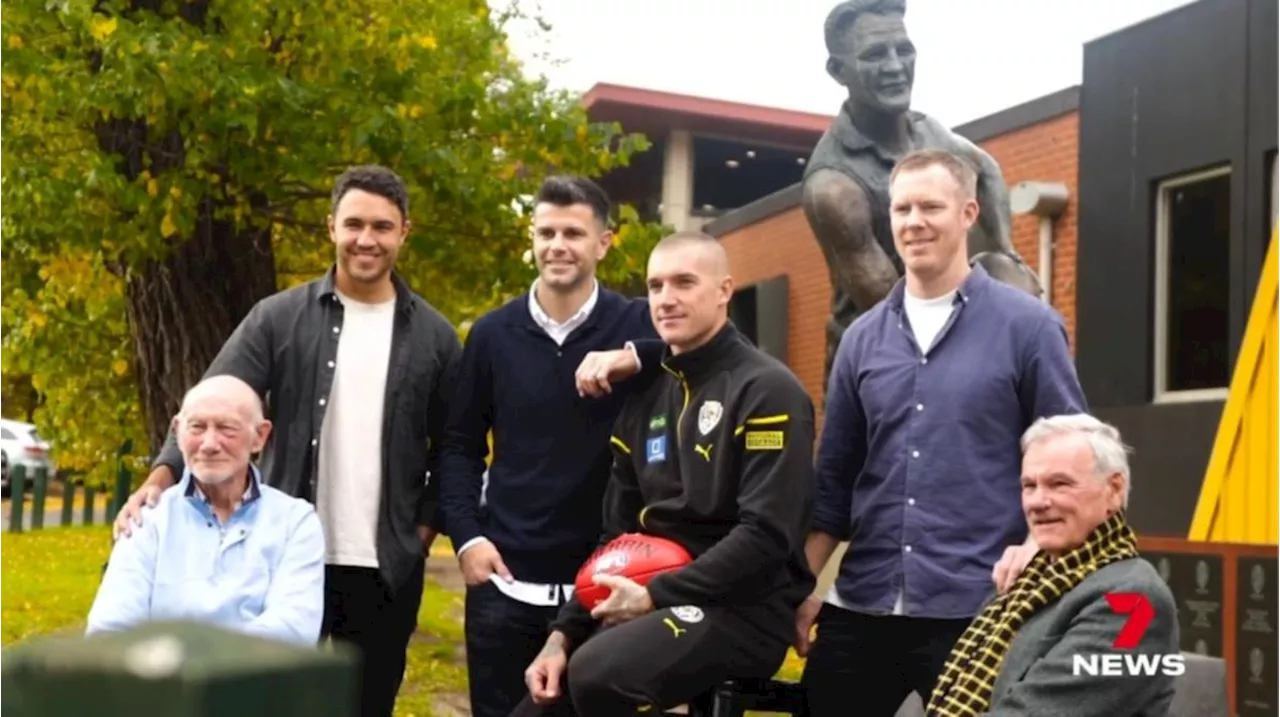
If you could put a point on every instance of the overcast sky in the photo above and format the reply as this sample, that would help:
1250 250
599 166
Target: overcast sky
975 57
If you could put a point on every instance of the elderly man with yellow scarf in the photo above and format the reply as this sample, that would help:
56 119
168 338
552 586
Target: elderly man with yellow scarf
1016 657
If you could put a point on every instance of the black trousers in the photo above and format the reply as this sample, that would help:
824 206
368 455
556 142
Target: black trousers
362 611
874 661
670 657
503 637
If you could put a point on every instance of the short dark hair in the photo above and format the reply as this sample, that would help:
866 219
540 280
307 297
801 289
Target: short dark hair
373 179
960 168
565 190
842 17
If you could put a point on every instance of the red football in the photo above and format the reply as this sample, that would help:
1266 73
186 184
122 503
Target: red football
635 556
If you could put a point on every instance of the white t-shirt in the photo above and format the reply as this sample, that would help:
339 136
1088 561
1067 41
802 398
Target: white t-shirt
927 317
349 489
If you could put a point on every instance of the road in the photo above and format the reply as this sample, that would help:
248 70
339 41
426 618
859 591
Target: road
52 513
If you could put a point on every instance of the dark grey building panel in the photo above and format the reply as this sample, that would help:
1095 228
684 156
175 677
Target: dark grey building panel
1186 91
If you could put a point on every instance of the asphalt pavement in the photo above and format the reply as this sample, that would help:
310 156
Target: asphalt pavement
52 513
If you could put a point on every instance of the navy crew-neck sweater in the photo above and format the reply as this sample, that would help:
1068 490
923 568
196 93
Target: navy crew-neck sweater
551 456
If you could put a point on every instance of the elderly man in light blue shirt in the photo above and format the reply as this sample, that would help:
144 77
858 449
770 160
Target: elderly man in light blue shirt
219 546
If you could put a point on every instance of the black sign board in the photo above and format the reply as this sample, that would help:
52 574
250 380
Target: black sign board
1256 627
1196 583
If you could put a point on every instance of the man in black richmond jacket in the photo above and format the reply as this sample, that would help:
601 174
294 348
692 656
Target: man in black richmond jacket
715 454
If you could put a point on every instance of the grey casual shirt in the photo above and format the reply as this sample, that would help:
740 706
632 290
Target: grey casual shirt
286 349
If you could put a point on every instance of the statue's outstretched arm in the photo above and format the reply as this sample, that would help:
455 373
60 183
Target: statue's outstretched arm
839 213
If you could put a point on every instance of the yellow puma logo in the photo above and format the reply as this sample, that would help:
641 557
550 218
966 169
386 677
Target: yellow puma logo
704 451
675 629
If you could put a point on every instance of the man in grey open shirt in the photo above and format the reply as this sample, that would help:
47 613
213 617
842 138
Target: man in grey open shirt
919 461
358 371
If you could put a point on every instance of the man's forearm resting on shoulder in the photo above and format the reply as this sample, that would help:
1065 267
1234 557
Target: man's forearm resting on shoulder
647 352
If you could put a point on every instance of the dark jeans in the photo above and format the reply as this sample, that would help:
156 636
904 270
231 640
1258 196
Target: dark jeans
503 637
874 661
670 657
363 612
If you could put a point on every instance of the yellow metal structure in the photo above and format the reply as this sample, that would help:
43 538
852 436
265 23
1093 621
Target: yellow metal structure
1239 498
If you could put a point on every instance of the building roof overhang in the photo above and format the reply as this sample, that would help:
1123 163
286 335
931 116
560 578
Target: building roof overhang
657 113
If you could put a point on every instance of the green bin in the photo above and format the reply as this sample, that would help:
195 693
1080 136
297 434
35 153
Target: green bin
177 669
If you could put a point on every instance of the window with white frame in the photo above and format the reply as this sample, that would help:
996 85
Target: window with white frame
1193 226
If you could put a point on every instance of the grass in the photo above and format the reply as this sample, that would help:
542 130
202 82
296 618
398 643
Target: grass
48 579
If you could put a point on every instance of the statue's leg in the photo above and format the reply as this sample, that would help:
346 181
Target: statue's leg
839 213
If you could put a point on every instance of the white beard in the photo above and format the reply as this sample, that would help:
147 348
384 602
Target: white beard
216 480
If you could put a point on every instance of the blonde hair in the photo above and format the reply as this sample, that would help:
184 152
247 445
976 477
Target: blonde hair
958 167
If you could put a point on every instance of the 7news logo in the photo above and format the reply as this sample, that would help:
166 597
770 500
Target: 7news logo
1121 664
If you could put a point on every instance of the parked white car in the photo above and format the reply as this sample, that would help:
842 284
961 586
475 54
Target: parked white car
20 444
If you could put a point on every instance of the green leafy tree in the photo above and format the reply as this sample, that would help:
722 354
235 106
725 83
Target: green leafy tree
167 163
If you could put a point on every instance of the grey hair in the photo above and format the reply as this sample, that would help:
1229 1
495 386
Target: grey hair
1110 454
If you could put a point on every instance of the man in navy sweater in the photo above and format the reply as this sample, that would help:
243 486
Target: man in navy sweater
521 535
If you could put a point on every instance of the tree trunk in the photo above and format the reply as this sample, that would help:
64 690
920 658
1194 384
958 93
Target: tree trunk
183 308
21 399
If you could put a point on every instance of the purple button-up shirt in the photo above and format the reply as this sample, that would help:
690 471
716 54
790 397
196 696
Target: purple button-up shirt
919 460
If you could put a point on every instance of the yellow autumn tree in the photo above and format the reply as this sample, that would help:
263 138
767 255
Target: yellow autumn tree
166 164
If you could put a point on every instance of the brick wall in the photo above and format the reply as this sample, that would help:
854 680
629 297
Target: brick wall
1046 152
783 244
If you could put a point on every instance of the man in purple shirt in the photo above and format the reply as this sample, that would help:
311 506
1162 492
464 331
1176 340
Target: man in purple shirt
918 464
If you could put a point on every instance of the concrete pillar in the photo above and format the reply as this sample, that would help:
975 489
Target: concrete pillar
677 180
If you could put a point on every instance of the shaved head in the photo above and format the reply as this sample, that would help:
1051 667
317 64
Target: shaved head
706 250
228 390
219 428
689 289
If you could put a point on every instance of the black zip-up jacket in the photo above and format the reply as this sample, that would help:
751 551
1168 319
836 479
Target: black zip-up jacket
716 454
286 348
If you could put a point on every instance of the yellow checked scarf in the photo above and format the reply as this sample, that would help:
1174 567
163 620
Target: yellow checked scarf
964 688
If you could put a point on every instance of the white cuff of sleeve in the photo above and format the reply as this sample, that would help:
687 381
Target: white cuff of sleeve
471 544
631 346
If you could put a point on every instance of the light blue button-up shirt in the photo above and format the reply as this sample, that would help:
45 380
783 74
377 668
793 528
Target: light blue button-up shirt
262 572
